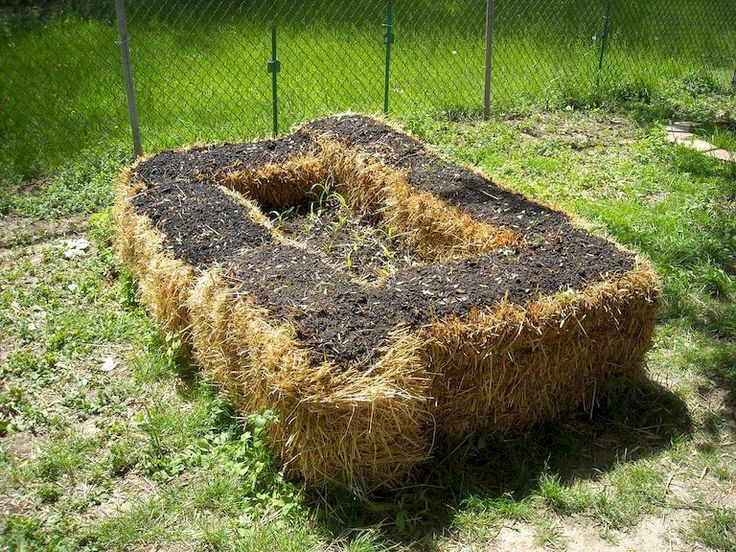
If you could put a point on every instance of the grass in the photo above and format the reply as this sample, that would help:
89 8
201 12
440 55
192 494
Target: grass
716 529
140 451
720 135
201 73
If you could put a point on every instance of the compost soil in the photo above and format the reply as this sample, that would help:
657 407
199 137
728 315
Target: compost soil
202 224
202 163
346 322
471 192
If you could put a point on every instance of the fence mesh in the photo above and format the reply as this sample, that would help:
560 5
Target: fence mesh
200 66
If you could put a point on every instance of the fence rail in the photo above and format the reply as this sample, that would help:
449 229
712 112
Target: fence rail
209 69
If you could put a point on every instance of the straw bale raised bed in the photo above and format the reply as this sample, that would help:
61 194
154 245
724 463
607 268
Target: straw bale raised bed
380 298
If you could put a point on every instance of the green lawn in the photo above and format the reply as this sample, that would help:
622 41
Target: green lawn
720 135
200 67
109 444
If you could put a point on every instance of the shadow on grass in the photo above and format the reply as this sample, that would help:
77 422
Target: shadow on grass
631 425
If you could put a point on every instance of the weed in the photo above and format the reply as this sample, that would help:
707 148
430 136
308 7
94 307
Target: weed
547 534
563 499
716 529
634 489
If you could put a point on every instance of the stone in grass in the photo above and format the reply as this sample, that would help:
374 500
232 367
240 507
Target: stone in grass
75 248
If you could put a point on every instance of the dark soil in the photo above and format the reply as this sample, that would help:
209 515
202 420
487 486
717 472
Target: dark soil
203 162
202 225
459 186
346 322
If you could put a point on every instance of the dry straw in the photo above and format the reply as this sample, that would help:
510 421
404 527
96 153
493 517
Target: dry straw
504 368
164 281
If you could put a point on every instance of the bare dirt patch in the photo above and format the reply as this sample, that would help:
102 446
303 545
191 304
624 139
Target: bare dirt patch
662 531
16 231
123 495
22 446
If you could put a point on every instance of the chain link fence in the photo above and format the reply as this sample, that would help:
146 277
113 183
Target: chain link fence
332 57
201 67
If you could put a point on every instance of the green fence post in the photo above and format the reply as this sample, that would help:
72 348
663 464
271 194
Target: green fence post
388 39
128 75
604 40
274 66
490 23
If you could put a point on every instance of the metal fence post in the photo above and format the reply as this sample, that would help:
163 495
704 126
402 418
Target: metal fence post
490 23
274 67
604 40
388 39
128 74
